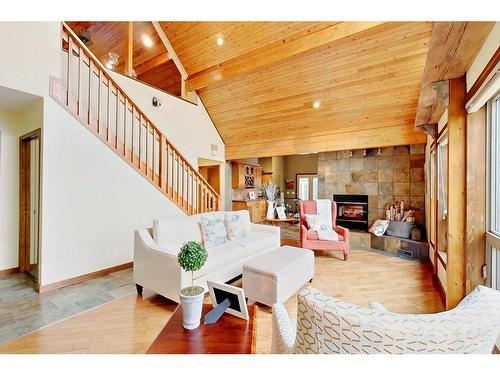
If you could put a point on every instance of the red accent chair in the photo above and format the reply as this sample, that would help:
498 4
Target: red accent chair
309 239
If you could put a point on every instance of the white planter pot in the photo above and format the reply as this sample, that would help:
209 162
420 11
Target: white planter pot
191 310
270 210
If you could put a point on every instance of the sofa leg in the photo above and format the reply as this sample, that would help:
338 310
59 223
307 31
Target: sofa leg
345 256
139 288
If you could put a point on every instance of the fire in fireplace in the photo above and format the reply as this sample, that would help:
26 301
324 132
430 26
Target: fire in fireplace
352 211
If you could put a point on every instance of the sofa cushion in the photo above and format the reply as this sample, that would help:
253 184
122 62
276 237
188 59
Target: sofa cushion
213 230
313 236
219 257
172 232
237 224
257 241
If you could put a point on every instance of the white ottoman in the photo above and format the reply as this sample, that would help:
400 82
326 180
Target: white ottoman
276 276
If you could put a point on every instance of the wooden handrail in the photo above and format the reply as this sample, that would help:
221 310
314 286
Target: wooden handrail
126 129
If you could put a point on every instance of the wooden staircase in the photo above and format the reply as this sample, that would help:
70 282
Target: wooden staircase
89 93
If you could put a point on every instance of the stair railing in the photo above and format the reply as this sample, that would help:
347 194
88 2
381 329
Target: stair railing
90 94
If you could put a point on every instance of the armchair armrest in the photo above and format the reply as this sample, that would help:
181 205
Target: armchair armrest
303 234
343 231
284 331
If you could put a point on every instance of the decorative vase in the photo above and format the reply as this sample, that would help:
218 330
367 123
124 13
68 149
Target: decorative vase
191 308
270 210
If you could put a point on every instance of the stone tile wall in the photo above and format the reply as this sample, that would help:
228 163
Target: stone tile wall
397 174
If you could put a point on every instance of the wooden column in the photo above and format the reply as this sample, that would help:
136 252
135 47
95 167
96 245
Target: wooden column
129 46
457 132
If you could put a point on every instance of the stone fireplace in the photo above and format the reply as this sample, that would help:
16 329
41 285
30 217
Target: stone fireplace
385 175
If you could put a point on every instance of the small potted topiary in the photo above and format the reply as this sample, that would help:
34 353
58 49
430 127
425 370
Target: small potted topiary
192 257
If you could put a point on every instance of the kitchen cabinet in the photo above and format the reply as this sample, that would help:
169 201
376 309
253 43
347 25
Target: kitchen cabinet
246 176
257 209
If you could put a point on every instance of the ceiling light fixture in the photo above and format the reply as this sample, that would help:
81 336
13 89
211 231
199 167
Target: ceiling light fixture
148 42
109 65
364 152
379 152
350 153
316 104
220 41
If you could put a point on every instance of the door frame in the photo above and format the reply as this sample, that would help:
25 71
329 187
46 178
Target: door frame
24 201
311 176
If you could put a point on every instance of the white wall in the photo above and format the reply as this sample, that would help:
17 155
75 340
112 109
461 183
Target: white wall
186 125
9 190
484 55
91 199
30 54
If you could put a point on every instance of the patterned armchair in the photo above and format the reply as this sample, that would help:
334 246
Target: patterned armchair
327 325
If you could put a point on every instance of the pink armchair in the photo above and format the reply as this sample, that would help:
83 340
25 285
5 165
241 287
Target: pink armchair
309 239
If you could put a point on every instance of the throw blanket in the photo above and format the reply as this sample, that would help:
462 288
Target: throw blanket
324 209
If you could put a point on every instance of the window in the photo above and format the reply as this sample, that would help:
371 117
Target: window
493 196
307 186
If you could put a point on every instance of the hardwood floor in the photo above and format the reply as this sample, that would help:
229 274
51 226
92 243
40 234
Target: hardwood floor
130 324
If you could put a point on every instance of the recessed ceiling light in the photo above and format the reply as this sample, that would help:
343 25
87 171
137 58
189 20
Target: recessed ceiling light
220 41
316 104
148 42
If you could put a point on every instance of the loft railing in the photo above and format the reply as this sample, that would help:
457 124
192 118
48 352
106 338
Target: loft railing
91 95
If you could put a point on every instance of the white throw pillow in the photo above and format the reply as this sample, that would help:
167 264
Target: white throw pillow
317 222
213 230
236 226
379 227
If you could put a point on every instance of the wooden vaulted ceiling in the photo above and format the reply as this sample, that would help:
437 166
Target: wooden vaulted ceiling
152 65
259 86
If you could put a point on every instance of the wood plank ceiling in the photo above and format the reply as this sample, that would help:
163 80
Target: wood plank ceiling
278 88
151 64
259 86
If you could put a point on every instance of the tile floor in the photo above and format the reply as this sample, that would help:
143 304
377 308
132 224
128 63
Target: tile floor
23 310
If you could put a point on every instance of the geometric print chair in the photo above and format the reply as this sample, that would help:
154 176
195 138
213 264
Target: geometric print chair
327 325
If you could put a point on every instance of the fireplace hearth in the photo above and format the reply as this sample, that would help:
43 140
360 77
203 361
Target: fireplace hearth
352 210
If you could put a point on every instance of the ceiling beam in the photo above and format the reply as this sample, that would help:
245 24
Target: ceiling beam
186 93
152 63
452 48
277 51
371 138
170 49
129 46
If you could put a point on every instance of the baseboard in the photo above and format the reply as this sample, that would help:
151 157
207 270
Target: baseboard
442 293
9 271
82 278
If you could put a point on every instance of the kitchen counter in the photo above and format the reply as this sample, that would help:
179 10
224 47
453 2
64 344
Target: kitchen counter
256 207
249 200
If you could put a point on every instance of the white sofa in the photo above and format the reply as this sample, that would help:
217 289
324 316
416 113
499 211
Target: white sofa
156 249
327 325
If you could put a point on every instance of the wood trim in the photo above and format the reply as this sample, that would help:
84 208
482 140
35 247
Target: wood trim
9 271
82 278
24 201
484 76
371 138
455 264
442 293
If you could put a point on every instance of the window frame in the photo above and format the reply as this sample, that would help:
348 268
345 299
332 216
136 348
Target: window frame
492 187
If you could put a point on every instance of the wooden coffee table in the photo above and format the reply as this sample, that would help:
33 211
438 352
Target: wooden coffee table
229 335
276 222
